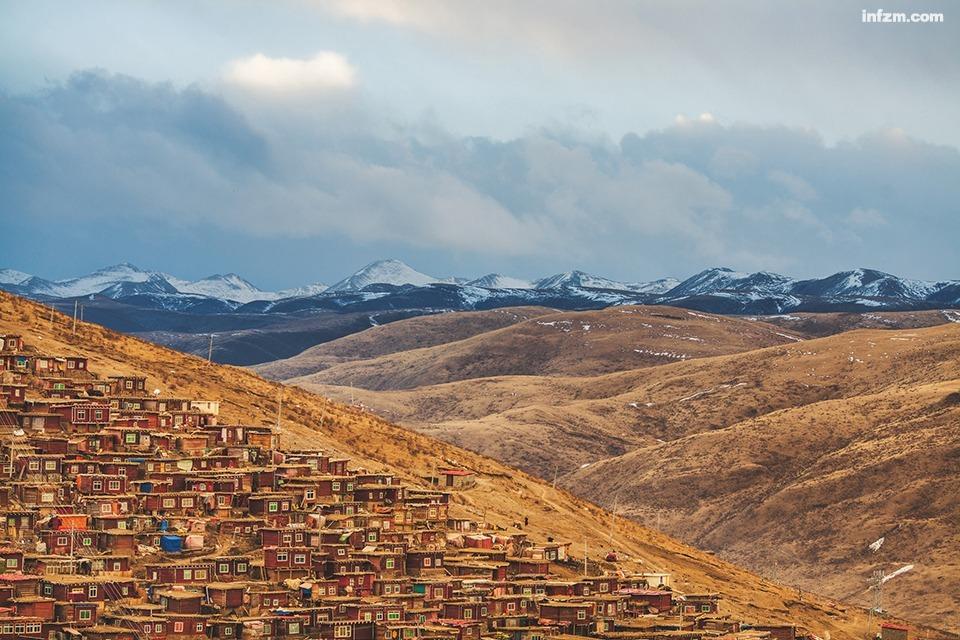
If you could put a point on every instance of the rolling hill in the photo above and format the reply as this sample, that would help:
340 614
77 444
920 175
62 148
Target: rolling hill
503 495
790 458
560 343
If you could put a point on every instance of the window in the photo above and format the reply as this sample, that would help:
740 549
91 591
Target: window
223 568
130 437
390 563
705 608
342 631
188 574
379 616
33 627
81 414
177 627
310 494
97 485
393 616
604 587
300 558
62 541
581 615
169 503
241 567
92 591
114 485
293 628
272 507
98 414
200 627
186 502
427 561
85 614
335 486
201 574
228 631
467 614
281 556
128 384
34 465
11 563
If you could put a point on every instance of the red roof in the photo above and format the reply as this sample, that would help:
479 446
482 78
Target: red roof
17 577
456 472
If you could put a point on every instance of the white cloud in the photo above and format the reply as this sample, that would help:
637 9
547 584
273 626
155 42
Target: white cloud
326 70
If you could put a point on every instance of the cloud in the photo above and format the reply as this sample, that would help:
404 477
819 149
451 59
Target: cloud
104 147
325 70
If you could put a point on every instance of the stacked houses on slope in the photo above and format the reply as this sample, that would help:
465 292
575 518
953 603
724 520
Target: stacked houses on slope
127 515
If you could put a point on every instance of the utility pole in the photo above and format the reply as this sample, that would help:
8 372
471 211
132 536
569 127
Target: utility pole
584 557
279 406
878 577
210 350
76 305
81 313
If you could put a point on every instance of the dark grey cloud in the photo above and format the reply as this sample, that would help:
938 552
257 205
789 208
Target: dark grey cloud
101 148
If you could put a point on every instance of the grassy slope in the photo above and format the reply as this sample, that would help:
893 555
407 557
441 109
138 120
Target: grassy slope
503 495
562 343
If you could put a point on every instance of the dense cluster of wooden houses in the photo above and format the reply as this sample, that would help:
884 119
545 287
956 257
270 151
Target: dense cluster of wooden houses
129 515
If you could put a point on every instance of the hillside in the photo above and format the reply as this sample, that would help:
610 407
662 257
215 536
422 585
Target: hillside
703 439
403 335
818 325
810 489
504 496
576 343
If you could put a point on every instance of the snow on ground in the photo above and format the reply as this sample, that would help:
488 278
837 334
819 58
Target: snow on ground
662 354
952 316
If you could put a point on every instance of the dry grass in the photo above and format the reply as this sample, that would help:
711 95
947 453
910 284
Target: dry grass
504 495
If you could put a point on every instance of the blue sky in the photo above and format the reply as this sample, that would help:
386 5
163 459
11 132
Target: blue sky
294 141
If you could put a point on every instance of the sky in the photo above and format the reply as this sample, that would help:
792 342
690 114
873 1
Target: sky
294 141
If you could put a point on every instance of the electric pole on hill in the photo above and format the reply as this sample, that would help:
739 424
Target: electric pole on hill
76 304
279 407
210 350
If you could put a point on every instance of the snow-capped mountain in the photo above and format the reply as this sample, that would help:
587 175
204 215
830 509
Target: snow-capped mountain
12 276
499 281
299 292
227 286
392 284
654 286
579 279
393 272
92 283
867 283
